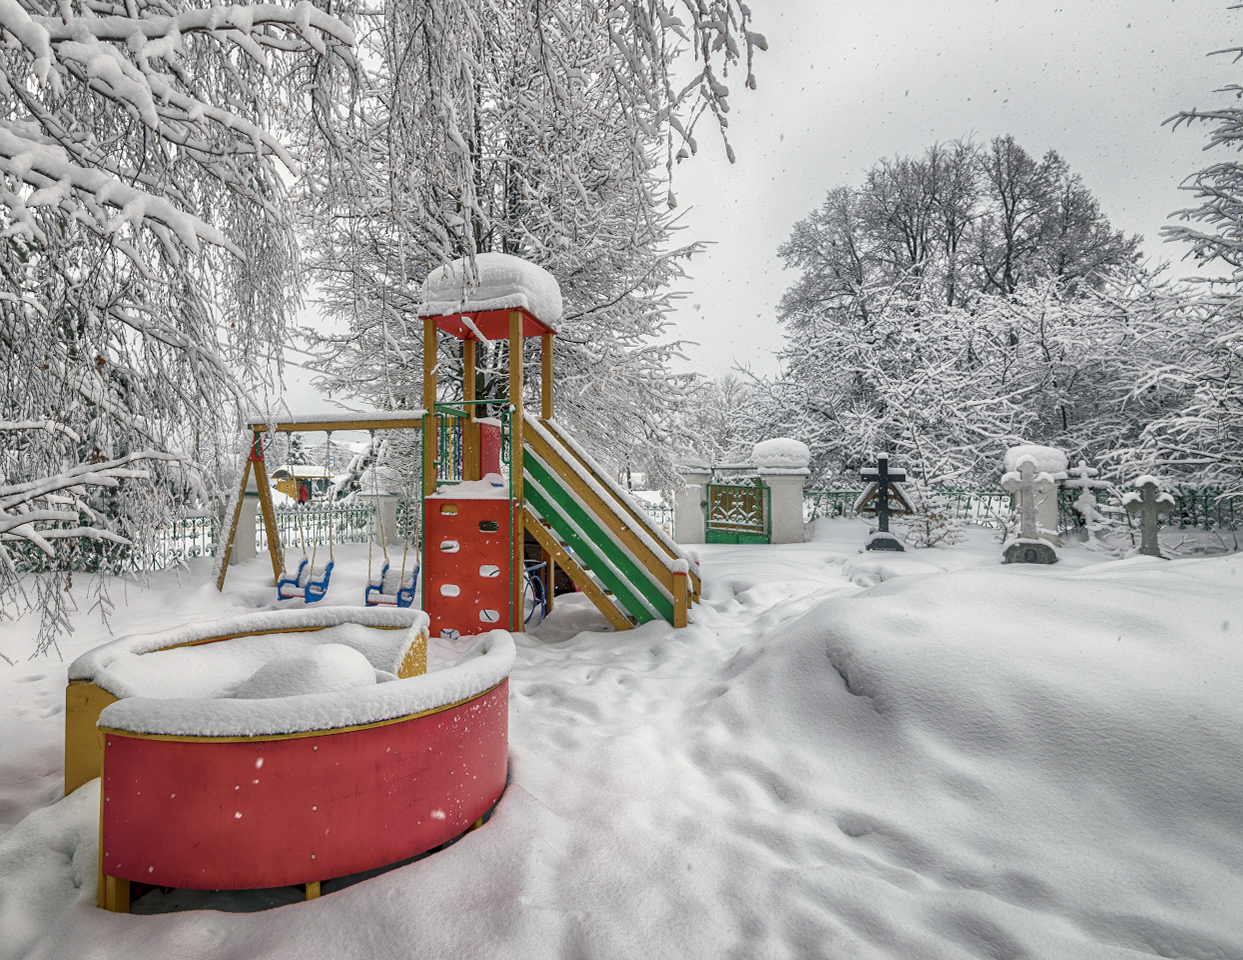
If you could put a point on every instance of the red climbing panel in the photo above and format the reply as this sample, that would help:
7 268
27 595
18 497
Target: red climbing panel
467 564
218 815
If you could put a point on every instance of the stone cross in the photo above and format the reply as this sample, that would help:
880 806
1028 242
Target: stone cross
1028 485
1085 478
882 476
1147 502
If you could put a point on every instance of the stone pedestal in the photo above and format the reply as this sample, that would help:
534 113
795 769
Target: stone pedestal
384 529
883 540
244 540
1029 551
689 522
786 503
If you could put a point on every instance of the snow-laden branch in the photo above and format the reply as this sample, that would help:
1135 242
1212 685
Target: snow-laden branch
75 71
25 507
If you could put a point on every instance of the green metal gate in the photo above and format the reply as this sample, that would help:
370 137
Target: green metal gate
738 512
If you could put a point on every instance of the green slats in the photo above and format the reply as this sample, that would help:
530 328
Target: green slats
555 504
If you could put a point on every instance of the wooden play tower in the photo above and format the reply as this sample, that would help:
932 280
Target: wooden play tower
473 540
479 522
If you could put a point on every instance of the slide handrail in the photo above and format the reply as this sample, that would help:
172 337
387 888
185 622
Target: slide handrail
663 544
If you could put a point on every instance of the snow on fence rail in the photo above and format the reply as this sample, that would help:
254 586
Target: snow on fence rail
972 506
196 535
1205 509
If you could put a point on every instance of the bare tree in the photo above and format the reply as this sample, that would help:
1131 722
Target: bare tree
959 221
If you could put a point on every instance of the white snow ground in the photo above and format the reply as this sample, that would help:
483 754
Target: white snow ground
927 755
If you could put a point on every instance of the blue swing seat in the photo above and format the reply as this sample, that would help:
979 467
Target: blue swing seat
315 589
287 588
391 589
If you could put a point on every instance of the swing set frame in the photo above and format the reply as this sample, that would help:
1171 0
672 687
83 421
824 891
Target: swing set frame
322 423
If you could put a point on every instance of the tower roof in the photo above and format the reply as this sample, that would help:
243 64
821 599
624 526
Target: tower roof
476 304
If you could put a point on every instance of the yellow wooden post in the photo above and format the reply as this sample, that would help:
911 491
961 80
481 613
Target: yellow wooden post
228 543
269 514
84 744
546 376
470 429
515 463
312 890
429 404
116 894
680 591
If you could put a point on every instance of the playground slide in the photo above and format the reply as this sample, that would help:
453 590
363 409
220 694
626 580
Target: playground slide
615 553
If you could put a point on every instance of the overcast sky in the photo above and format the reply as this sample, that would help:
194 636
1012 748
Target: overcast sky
845 83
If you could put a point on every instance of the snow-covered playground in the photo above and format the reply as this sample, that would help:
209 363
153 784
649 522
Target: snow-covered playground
926 754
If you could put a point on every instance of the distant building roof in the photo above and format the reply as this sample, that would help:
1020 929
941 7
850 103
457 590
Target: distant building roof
306 471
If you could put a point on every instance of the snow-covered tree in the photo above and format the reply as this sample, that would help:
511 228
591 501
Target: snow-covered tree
716 424
946 389
1205 361
148 263
545 129
1197 434
959 221
932 521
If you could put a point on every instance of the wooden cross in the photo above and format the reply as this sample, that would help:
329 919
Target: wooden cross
880 477
1147 503
1028 484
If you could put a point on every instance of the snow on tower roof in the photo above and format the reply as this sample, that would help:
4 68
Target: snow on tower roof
505 282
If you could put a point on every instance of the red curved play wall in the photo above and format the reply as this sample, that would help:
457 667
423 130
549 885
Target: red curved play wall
233 813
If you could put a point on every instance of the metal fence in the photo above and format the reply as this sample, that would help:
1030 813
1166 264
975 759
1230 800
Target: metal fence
661 513
184 538
312 524
195 535
972 506
1210 508
1205 509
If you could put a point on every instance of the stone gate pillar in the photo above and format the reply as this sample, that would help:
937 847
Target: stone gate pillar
689 522
782 463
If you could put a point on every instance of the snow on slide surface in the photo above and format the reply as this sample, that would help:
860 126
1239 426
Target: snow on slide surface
953 759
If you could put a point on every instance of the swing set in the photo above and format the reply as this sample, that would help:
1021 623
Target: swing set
306 583
390 585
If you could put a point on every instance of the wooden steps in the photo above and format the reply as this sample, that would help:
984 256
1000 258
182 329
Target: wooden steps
628 568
